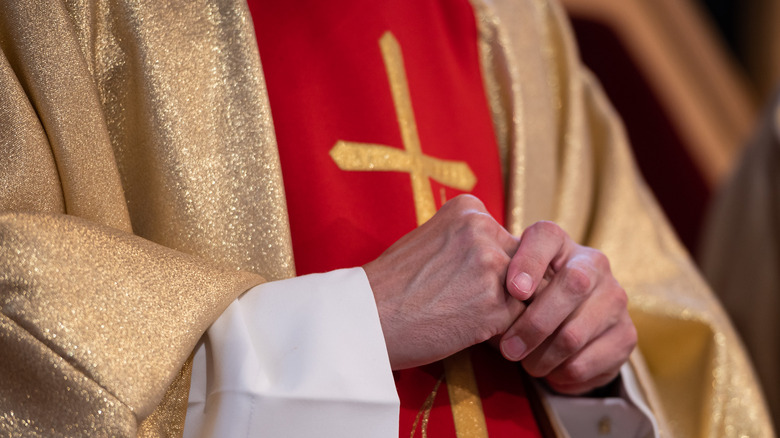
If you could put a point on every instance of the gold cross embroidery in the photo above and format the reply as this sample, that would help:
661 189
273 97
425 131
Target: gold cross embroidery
374 157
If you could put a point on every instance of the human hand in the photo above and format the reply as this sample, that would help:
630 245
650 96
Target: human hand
440 288
576 331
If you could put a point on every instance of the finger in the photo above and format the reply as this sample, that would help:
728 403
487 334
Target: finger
551 307
542 245
597 364
605 307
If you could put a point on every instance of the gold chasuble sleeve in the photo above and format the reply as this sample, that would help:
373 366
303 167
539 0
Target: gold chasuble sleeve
96 323
567 159
140 194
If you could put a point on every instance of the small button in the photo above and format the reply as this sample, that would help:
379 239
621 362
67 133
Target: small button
605 426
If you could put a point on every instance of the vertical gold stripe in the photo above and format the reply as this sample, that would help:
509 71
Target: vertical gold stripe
461 383
421 185
466 404
464 397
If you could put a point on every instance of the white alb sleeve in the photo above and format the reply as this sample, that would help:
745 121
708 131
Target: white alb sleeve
296 358
625 416
306 357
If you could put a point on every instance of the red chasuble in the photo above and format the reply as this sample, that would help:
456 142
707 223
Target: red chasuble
380 117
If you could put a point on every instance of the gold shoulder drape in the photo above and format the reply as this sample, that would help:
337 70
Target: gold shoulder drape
141 194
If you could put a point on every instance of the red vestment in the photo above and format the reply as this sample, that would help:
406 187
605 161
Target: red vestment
327 82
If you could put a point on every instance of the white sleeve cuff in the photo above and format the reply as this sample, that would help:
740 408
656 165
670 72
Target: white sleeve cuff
624 416
296 358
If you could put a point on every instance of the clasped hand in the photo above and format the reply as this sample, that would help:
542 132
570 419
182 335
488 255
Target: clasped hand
461 279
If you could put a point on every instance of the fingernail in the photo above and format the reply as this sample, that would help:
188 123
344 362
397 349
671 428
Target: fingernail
513 348
523 282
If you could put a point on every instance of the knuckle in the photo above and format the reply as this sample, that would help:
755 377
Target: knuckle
574 372
570 341
476 226
621 297
535 328
547 228
467 202
615 303
631 338
557 386
600 260
483 334
479 221
489 259
577 280
470 220
533 369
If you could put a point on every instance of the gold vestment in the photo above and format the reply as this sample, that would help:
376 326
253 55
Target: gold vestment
141 194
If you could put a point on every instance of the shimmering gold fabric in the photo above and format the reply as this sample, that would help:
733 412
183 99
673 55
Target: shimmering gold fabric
123 312
464 395
152 116
570 162
168 419
29 180
44 395
740 254
184 98
49 66
148 117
